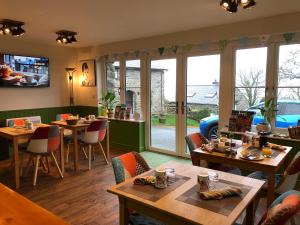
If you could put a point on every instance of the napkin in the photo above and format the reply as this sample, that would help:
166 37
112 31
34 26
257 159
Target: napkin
220 193
276 147
144 180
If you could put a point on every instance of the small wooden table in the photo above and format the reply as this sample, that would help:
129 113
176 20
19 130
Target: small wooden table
175 207
269 165
15 134
17 210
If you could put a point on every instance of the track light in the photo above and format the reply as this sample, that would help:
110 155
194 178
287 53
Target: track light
66 37
232 5
11 27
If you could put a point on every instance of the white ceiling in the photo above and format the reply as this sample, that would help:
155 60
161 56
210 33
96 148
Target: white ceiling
106 21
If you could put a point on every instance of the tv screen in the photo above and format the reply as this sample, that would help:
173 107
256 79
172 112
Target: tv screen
23 71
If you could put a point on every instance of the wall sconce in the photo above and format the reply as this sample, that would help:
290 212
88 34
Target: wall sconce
70 72
12 27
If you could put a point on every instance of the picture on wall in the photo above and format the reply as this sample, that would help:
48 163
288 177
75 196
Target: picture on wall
23 71
88 73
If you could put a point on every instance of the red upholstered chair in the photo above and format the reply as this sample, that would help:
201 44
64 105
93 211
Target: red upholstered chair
194 141
92 136
43 143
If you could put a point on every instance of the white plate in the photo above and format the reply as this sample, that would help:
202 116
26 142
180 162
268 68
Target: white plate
252 159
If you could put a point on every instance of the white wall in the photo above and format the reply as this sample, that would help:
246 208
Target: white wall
27 98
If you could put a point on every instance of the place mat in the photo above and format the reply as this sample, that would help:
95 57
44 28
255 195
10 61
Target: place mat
224 206
149 192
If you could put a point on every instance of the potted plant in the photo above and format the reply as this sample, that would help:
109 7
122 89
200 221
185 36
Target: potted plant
268 112
162 118
109 102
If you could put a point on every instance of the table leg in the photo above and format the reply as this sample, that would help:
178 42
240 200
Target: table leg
123 212
107 143
271 188
250 214
16 160
62 151
76 158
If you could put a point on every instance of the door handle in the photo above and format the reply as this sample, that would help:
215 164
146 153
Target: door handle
182 107
176 107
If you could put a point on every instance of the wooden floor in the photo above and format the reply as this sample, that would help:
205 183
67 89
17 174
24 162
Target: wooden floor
80 198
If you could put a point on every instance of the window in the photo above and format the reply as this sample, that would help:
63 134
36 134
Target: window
250 77
113 78
288 85
133 85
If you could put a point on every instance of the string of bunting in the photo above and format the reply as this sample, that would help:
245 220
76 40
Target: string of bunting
222 44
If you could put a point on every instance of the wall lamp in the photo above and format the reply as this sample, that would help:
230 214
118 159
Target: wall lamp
70 72
12 27
66 37
231 6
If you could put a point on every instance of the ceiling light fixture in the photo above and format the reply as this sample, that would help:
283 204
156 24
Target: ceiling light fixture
66 37
232 5
11 27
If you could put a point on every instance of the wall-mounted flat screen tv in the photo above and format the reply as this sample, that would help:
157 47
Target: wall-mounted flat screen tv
23 71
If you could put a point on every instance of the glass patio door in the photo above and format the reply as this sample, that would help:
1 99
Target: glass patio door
201 95
163 105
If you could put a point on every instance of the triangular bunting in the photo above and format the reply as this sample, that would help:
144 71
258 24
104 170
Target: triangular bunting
223 44
288 37
161 50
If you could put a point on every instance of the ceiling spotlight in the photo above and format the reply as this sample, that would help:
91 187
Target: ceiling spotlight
66 37
232 5
11 27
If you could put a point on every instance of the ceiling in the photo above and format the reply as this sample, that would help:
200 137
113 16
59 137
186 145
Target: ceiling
105 21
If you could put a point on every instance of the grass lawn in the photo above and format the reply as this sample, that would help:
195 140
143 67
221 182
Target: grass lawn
170 121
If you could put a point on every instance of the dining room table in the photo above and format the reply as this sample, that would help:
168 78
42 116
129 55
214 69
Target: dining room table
17 133
180 202
268 165
18 210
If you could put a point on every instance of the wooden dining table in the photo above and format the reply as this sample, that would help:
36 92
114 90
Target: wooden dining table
17 210
268 165
14 134
180 203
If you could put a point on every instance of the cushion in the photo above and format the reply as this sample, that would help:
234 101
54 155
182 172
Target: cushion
294 167
282 212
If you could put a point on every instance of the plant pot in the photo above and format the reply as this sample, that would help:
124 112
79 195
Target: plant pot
162 120
263 127
110 113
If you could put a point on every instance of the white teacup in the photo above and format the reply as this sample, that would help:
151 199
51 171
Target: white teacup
29 78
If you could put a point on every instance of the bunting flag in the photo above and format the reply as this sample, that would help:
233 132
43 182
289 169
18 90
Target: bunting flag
116 56
223 44
126 54
203 47
161 50
174 49
137 53
106 57
188 47
264 39
244 41
288 37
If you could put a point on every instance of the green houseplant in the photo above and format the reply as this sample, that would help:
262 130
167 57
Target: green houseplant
268 112
109 103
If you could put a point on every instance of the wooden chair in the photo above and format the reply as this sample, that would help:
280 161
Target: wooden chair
130 165
43 143
93 136
196 140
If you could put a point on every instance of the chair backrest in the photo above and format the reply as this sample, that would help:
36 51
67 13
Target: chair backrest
21 121
128 165
195 140
63 116
282 209
44 139
91 134
290 175
102 131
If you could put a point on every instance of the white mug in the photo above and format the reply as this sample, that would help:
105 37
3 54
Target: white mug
161 178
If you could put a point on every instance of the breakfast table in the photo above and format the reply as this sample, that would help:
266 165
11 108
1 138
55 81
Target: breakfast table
17 210
14 134
267 165
180 203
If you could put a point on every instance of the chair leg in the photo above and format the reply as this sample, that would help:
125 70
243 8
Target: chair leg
101 148
93 151
84 152
67 153
36 169
90 156
45 169
56 164
48 164
21 163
